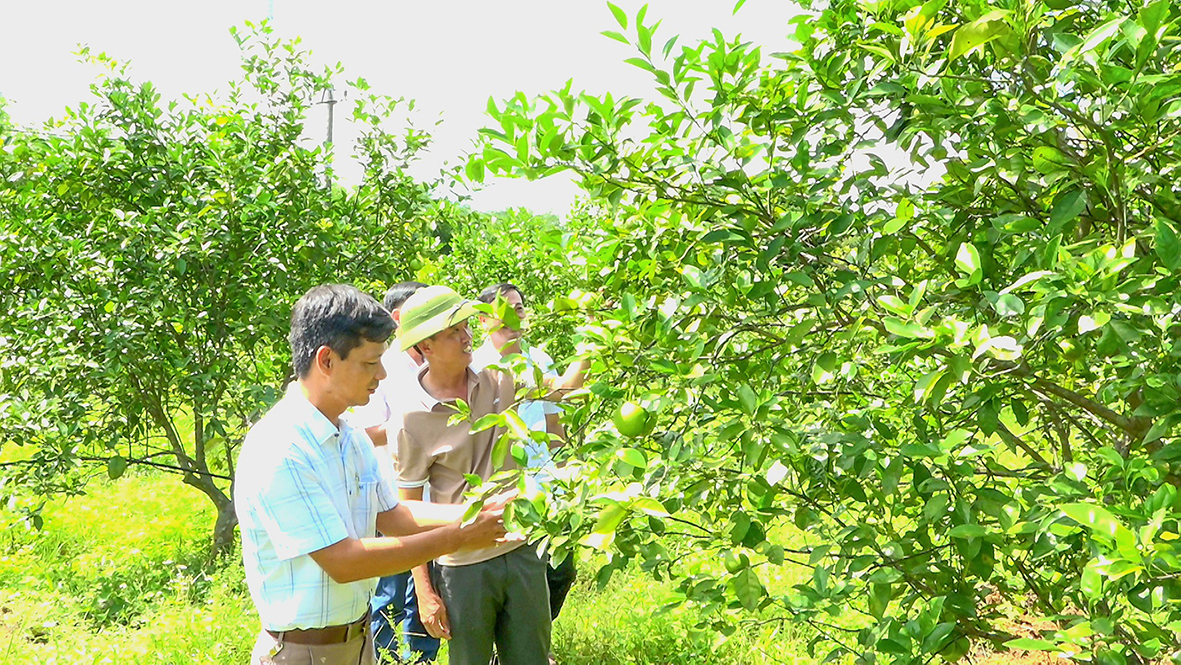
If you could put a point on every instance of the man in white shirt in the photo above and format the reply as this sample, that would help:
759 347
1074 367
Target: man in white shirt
394 601
501 341
310 495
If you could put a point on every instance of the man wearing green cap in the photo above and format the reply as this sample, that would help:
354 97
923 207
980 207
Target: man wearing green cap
496 595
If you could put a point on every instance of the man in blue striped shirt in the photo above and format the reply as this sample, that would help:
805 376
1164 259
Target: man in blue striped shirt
310 496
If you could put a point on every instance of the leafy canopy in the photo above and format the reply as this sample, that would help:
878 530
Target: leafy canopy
941 392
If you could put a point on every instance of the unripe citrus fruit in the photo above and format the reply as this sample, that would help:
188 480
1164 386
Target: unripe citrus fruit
633 420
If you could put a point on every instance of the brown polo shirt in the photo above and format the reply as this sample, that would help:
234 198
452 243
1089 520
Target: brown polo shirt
429 451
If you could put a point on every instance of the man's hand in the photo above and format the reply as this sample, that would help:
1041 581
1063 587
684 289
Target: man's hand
499 501
487 529
433 614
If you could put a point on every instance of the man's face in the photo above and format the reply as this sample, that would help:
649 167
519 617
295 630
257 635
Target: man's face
355 378
452 346
501 334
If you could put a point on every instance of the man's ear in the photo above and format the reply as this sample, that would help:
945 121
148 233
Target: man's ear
323 359
396 315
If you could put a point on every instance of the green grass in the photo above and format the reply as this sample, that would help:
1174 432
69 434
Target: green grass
622 625
119 575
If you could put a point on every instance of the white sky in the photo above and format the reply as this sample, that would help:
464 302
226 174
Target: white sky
450 56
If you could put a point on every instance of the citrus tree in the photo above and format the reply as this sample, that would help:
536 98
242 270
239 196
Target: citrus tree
896 307
150 252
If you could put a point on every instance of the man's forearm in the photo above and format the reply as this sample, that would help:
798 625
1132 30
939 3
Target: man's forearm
435 514
573 379
417 517
357 559
422 580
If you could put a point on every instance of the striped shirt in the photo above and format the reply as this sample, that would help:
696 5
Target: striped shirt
302 485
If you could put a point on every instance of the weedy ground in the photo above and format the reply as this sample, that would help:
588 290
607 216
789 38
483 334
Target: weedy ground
120 575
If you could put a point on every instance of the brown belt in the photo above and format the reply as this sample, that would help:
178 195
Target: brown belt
321 636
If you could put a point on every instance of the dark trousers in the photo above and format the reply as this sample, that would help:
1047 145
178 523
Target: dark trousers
559 579
503 602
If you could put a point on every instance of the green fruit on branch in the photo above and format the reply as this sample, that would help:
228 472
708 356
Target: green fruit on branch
633 420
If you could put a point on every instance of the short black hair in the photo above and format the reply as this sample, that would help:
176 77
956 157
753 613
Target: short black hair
489 294
399 293
338 316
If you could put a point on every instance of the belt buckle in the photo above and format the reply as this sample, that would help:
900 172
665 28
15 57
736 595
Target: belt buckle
277 646
355 629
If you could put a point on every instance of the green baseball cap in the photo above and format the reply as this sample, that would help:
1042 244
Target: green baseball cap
431 310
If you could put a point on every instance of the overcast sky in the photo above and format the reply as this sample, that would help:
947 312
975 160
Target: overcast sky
450 56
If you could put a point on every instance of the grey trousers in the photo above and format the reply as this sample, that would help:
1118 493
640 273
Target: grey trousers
270 651
502 601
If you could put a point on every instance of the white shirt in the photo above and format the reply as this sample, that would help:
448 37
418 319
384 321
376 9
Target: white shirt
401 378
532 411
300 486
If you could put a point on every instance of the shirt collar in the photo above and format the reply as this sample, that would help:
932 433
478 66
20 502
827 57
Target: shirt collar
309 417
428 400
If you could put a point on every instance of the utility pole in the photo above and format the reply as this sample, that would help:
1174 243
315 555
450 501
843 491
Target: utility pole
329 99
331 102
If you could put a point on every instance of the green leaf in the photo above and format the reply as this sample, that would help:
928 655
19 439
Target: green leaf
748 399
902 214
1098 36
1001 348
1099 520
747 588
474 170
649 506
470 513
1168 247
967 259
500 450
920 450
1047 159
897 326
1030 644
616 36
971 36
610 518
1094 321
487 421
822 371
620 15
1067 207
1091 582
965 531
1009 305
895 305
924 388
632 457
879 599
642 64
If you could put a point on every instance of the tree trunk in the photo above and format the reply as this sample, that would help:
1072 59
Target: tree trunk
227 519
223 529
